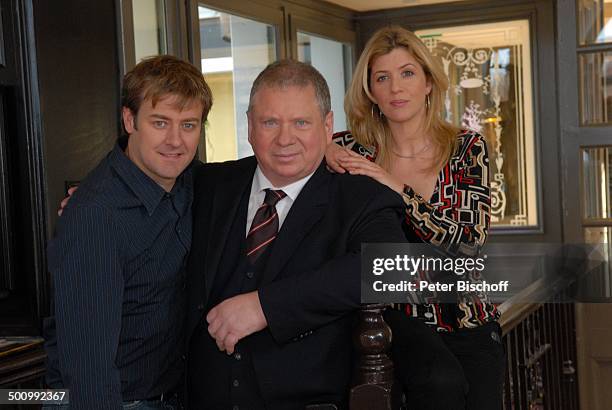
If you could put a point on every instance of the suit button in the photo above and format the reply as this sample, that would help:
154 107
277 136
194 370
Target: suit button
200 307
235 408
250 275
183 357
237 356
236 383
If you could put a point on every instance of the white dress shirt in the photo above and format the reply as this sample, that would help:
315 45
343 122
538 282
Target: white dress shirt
258 194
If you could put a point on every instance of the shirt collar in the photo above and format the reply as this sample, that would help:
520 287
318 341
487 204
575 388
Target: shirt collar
143 187
260 182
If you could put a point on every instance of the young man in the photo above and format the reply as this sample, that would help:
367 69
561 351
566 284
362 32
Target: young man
118 257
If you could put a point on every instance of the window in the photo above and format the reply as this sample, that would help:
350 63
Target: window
595 61
597 212
334 60
594 51
237 40
149 28
232 42
489 68
595 17
597 183
233 51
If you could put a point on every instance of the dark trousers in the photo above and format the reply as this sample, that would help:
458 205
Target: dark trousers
463 370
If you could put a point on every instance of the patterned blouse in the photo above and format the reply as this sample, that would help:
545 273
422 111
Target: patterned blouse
455 219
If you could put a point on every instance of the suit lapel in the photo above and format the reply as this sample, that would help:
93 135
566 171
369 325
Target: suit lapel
309 207
226 201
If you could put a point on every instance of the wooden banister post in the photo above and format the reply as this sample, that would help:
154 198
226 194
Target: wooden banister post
374 384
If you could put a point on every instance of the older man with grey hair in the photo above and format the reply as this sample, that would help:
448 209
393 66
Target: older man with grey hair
273 274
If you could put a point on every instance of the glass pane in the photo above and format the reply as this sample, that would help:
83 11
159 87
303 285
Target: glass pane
595 87
594 21
234 50
597 182
334 60
149 28
599 281
489 68
598 234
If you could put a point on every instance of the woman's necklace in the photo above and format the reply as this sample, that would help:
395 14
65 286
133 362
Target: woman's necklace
416 154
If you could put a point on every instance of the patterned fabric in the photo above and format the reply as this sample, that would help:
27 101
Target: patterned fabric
265 225
345 139
455 219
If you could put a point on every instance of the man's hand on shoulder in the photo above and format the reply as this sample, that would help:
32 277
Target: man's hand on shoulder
234 319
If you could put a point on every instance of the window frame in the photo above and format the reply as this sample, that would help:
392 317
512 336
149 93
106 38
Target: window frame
261 14
175 27
575 136
287 16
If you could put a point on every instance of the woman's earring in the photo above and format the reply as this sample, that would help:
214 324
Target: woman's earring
427 102
380 113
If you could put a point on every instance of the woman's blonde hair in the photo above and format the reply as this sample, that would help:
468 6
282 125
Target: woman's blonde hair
367 124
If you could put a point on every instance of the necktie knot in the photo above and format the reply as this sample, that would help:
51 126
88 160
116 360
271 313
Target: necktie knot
272 196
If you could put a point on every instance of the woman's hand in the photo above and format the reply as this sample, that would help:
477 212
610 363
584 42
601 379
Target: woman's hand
65 201
357 165
333 154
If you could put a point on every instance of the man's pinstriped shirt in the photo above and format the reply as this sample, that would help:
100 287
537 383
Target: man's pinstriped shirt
117 263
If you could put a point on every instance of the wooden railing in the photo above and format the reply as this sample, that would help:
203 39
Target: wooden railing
375 387
540 347
539 339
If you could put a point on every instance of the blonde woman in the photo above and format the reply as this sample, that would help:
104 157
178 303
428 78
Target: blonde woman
447 356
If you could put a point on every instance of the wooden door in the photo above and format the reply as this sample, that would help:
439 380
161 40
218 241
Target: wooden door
594 353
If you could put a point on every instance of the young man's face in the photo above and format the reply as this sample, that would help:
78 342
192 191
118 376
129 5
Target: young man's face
288 133
163 139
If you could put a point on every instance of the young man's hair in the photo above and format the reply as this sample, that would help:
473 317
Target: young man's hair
157 77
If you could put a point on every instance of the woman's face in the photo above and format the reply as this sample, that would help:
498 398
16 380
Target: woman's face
399 86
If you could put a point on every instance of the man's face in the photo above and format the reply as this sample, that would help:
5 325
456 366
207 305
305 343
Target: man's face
163 139
288 133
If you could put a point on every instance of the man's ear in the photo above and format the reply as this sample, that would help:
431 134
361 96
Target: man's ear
129 120
329 126
249 126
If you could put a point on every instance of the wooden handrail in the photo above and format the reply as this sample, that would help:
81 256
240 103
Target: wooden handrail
515 310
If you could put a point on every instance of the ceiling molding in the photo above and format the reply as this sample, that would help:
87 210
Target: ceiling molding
369 5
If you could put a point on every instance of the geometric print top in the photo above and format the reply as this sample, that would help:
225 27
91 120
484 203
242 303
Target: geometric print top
456 219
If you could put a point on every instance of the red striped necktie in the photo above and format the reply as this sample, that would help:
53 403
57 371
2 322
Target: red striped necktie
264 226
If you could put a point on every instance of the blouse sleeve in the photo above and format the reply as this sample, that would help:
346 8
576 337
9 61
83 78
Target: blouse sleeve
345 139
464 232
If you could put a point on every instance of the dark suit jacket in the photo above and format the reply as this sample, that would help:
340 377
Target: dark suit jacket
311 283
